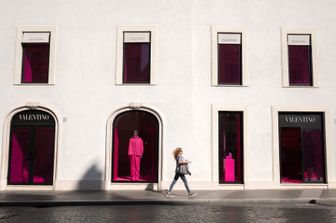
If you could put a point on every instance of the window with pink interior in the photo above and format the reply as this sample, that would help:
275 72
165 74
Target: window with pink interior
300 67
31 152
136 57
302 148
135 147
230 147
35 57
229 58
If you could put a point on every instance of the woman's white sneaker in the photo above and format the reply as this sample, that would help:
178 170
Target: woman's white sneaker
170 194
191 194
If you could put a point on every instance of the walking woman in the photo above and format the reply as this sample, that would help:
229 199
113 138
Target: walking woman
180 171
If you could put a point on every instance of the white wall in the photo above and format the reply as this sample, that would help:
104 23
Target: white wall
86 95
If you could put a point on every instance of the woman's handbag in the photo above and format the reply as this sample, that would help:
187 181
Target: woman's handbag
183 169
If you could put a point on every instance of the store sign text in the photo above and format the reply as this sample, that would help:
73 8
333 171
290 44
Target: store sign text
300 119
34 117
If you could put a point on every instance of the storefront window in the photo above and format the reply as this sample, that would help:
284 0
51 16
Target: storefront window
31 151
136 61
230 148
135 147
300 60
302 147
229 59
35 61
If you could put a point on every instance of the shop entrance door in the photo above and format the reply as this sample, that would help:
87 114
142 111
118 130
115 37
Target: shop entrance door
31 152
302 149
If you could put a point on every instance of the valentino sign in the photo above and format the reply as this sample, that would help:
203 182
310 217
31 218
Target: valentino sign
34 117
300 119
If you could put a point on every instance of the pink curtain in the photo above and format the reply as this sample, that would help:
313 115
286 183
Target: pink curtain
27 70
300 65
229 64
17 169
290 155
238 147
116 153
313 153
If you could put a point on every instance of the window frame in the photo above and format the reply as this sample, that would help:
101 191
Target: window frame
241 113
20 30
329 153
215 109
120 53
285 63
215 30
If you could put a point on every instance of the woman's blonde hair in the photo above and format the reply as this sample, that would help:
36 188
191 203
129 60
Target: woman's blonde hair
177 151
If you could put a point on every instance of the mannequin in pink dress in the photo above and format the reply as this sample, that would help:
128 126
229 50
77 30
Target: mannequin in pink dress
135 151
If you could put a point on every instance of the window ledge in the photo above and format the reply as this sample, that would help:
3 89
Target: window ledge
34 84
228 85
302 87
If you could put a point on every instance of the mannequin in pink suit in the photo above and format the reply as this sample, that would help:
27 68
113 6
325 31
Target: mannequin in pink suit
135 151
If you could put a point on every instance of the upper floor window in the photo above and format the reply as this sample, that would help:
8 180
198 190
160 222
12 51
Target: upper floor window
136 55
35 55
227 58
298 59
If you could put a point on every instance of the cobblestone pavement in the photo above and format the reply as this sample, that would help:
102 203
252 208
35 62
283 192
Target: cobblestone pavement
212 212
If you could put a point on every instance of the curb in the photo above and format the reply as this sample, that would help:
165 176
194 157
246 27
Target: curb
48 203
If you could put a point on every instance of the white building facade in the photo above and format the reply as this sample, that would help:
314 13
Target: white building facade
246 88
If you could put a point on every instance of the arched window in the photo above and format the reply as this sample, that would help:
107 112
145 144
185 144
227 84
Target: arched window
32 145
135 147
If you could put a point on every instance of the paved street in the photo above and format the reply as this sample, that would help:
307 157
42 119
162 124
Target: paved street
204 212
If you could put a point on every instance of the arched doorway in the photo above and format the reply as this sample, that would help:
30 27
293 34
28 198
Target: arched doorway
31 148
135 148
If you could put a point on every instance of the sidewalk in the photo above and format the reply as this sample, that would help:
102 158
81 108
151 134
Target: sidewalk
55 198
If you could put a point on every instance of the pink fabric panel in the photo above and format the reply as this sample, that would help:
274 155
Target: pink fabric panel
27 70
116 154
238 146
16 163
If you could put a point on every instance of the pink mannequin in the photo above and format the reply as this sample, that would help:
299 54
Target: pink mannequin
135 151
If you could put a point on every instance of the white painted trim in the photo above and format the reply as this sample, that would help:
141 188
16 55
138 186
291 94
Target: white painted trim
214 152
329 154
109 142
18 55
284 47
153 52
6 145
214 55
